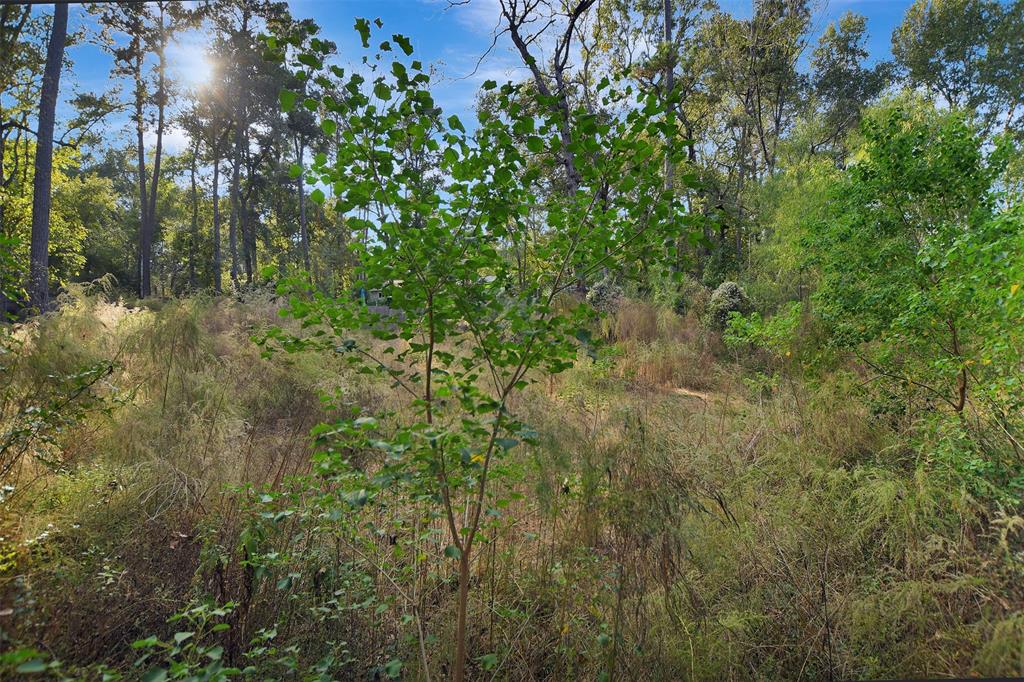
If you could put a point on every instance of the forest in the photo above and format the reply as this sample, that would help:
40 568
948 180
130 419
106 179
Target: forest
645 340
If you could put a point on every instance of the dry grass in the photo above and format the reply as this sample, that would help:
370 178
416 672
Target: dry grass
667 526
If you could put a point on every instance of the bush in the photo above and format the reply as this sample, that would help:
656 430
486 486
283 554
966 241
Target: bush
728 298
605 295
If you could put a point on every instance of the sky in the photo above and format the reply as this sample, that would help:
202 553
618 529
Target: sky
451 38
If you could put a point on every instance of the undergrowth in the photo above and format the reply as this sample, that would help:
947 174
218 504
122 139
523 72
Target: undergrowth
677 518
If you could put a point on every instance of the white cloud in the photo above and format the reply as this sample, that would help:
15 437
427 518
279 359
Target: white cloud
479 16
175 140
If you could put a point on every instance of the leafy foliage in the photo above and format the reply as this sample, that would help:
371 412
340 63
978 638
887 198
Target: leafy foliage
474 288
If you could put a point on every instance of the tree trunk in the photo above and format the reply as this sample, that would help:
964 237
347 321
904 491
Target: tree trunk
149 234
194 235
303 227
39 263
233 222
248 238
670 85
217 265
463 607
236 165
140 134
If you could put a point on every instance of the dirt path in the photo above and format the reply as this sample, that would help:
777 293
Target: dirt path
689 393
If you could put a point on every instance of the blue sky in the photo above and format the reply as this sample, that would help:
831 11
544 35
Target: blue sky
453 39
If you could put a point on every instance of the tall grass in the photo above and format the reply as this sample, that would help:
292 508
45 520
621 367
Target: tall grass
671 523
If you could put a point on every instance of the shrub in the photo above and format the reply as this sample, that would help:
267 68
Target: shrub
728 298
605 295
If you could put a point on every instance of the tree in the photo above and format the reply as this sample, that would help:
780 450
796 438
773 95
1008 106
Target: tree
21 58
895 287
39 271
841 84
149 29
965 51
469 329
209 121
251 85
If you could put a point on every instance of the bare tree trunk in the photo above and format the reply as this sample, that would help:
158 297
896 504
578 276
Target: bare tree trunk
303 226
233 222
194 235
248 231
217 265
460 627
140 134
149 233
236 166
670 78
39 252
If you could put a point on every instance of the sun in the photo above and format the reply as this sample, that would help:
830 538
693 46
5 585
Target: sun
204 69
191 65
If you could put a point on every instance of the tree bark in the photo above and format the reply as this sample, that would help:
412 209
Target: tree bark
149 233
39 251
460 628
233 221
303 226
140 141
248 231
194 235
670 84
217 265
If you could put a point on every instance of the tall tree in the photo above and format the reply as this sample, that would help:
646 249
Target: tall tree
841 82
39 272
968 52
149 28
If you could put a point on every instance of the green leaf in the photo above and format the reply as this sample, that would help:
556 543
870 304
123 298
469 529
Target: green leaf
287 98
455 124
317 196
403 43
452 552
363 28
294 171
180 637
310 60
535 144
328 126
147 643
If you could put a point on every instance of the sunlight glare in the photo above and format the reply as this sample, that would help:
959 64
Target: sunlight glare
192 67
